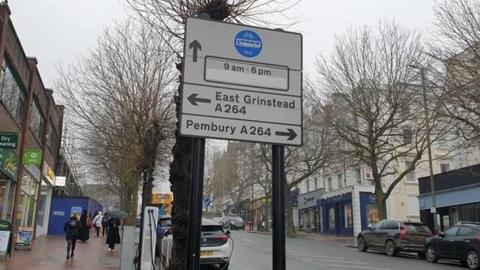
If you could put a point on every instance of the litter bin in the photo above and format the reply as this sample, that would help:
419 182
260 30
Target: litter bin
5 237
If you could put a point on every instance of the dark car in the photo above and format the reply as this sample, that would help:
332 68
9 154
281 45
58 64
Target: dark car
460 242
394 236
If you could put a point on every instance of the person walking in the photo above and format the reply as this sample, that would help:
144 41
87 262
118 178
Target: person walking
85 225
97 222
71 229
105 224
113 235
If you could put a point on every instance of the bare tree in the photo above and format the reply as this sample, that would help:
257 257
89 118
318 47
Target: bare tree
457 47
373 100
121 105
168 18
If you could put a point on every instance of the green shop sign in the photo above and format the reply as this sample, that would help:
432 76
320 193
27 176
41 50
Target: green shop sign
8 140
9 163
33 157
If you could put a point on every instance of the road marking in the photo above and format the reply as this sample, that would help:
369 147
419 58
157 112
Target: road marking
343 266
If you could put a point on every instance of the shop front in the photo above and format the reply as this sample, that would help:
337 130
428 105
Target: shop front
44 200
8 177
309 215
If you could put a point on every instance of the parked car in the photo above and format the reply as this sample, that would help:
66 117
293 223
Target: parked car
215 245
460 242
394 236
233 222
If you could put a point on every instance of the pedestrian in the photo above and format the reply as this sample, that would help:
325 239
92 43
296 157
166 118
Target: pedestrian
105 219
71 229
113 235
85 225
97 222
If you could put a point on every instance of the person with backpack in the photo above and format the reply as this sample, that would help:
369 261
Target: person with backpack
105 219
97 222
71 229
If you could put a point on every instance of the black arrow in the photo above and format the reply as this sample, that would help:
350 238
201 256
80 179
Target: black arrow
196 46
291 134
193 99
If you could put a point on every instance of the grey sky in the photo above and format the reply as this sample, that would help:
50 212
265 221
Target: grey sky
58 31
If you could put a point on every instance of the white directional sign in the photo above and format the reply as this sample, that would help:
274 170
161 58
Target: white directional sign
242 83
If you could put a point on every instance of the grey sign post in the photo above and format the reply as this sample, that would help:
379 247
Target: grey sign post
241 83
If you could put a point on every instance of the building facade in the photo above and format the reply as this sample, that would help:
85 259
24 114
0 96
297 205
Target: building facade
28 111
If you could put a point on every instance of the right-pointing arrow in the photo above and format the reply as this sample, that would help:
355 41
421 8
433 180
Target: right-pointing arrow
194 99
291 134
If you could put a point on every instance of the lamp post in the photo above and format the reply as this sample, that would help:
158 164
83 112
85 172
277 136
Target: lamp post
433 210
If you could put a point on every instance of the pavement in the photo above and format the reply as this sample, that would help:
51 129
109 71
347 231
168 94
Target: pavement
253 251
48 253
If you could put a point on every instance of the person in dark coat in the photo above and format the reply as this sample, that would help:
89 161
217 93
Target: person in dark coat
105 224
113 233
71 229
84 226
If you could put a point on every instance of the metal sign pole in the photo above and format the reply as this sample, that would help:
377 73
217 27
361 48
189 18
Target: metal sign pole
195 213
278 206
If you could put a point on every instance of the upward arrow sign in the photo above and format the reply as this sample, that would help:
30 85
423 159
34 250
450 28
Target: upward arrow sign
195 45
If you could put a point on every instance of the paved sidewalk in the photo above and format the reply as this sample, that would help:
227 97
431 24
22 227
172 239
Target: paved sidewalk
49 253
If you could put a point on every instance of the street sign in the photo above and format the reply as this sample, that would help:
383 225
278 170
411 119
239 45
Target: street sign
242 83
8 140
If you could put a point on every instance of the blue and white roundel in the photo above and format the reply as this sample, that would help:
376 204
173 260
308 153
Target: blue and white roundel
248 43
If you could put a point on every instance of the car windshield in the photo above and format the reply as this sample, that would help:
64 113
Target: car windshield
416 227
211 228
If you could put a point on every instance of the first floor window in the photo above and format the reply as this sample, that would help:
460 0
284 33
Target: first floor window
331 218
348 216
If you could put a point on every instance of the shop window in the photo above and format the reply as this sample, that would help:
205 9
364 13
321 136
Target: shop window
348 216
11 94
330 184
331 219
37 122
468 213
6 194
372 214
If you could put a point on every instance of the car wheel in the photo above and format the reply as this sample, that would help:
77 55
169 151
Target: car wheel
421 254
431 254
362 245
472 259
390 248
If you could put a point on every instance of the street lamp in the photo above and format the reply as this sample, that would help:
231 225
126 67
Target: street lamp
433 210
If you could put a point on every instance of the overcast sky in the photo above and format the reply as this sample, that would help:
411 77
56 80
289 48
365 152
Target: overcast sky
58 31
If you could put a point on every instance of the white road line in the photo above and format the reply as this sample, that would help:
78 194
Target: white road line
344 266
342 261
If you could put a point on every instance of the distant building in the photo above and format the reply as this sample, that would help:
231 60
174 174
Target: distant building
102 195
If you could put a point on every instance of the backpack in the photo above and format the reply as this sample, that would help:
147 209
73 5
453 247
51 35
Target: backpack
73 223
104 220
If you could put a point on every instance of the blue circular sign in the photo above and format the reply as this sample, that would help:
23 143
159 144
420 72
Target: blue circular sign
248 43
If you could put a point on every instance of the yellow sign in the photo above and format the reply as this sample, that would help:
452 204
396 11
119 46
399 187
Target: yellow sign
49 173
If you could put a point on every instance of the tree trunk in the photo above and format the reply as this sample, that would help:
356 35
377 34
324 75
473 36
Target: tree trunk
381 206
291 232
180 178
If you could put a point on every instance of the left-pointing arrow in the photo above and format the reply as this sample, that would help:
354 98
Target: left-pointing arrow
194 99
195 45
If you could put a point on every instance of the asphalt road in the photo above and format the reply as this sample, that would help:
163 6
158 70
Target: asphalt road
254 252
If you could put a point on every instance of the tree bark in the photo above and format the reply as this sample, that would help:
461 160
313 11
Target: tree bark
381 206
180 178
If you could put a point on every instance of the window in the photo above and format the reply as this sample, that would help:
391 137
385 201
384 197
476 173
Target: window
358 175
466 231
348 216
407 135
52 138
411 176
468 213
329 181
444 167
331 218
389 225
11 94
340 180
308 186
315 180
452 231
37 122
